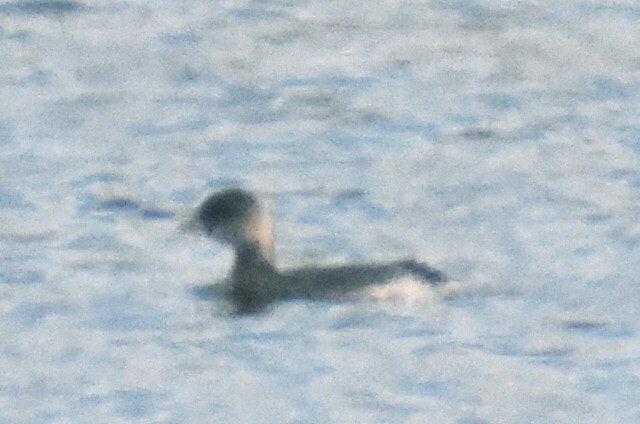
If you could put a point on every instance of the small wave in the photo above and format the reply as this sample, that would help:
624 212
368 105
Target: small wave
41 7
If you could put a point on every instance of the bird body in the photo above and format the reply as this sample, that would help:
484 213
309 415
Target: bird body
236 217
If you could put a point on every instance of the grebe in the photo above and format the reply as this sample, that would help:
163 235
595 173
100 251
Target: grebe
235 216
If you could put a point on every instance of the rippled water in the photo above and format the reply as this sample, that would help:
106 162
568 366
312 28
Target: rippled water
495 140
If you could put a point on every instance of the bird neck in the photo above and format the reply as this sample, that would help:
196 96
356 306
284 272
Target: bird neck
251 259
259 236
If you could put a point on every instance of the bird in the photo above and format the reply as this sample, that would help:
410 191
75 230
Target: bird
235 216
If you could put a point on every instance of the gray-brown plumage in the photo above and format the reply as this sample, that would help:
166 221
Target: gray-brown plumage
235 216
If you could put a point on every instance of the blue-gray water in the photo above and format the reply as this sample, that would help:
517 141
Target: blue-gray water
497 140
